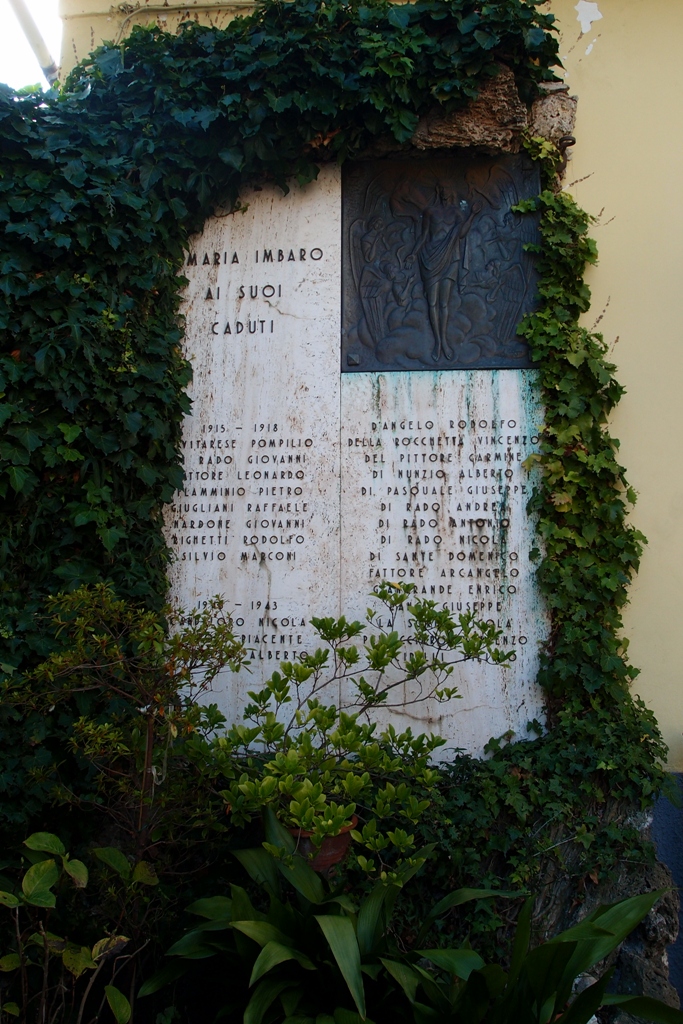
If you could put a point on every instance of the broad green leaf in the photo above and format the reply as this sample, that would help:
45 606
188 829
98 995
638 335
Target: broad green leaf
38 881
242 908
264 995
303 878
192 946
587 1003
26 435
55 943
78 871
261 932
11 1008
45 842
610 921
343 1016
113 944
604 930
7 899
276 833
299 874
372 916
110 535
78 960
520 946
341 939
647 1008
163 977
261 866
118 1004
113 858
70 431
545 968
290 1000
213 907
404 975
457 898
10 962
274 953
145 873
460 962
20 478
398 16
233 157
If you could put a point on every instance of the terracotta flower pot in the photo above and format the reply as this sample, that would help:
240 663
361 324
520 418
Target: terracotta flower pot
332 851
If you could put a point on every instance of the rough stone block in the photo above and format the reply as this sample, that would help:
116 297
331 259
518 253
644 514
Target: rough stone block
494 122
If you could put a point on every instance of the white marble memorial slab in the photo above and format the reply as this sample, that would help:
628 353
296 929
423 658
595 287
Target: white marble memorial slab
304 487
432 469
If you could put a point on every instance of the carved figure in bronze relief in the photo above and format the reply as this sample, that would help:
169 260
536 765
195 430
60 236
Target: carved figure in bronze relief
436 273
445 223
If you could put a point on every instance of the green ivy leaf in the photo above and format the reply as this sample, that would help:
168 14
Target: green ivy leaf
45 842
77 960
21 478
118 1004
38 881
78 871
114 859
145 873
70 431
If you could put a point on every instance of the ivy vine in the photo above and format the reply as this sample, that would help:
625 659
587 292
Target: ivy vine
101 184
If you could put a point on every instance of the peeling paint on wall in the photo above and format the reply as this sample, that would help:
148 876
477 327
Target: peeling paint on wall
586 13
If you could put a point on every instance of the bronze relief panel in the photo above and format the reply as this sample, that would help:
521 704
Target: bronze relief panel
435 272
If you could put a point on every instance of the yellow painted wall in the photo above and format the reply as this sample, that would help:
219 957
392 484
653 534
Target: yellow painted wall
625 168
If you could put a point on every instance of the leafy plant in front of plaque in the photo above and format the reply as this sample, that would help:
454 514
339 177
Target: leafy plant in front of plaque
127 693
311 748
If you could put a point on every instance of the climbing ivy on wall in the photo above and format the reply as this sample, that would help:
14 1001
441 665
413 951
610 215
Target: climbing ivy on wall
101 185
590 551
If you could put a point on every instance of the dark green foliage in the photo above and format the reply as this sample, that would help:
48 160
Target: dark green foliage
323 956
551 807
47 976
125 693
294 82
554 804
588 553
91 371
